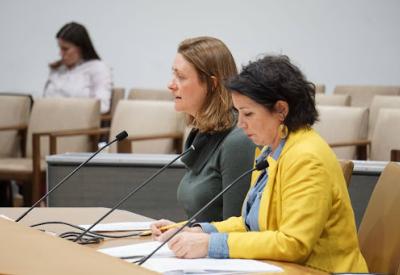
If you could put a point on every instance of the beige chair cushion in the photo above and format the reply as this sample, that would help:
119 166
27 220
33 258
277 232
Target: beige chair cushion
319 88
19 165
332 100
379 232
54 114
379 102
361 96
144 118
14 110
386 135
150 94
340 124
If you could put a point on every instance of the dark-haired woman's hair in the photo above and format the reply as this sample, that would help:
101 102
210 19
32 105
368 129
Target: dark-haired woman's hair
77 34
274 78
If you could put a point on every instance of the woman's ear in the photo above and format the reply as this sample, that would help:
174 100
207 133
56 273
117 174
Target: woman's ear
282 107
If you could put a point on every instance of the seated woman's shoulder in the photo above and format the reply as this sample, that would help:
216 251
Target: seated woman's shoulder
97 66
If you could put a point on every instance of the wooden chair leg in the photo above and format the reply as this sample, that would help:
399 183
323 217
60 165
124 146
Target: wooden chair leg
361 152
395 155
27 193
5 193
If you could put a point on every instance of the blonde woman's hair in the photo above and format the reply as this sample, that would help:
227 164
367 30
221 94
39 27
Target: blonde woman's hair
214 64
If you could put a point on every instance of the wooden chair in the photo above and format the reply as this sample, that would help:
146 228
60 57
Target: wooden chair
379 232
15 109
150 94
48 116
347 168
383 131
153 127
379 102
340 124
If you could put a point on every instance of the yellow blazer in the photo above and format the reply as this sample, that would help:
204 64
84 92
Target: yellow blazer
305 212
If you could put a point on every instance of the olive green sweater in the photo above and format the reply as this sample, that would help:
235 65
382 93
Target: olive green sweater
224 157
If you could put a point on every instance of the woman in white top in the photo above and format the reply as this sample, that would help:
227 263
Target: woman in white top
80 72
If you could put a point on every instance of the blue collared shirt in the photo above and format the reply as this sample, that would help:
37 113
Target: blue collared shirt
218 244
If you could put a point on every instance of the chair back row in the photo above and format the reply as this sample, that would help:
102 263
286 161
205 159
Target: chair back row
346 124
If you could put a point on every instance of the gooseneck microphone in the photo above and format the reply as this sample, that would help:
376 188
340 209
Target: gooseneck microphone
198 144
260 165
122 135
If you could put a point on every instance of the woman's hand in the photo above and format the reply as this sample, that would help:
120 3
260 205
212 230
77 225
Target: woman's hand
190 245
159 235
155 227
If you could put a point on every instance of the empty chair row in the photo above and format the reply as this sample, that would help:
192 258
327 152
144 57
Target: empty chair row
353 132
57 125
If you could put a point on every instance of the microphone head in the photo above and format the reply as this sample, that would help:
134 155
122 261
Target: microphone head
199 142
122 135
262 164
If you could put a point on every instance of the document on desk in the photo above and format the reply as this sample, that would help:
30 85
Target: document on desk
165 261
119 226
136 251
208 266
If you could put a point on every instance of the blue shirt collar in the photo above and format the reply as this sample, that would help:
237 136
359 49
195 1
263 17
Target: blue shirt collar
268 150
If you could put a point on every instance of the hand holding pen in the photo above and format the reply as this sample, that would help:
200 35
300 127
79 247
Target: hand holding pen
162 229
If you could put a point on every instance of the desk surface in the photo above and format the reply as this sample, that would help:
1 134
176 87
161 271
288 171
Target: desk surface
88 215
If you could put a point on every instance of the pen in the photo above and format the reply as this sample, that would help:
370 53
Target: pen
164 228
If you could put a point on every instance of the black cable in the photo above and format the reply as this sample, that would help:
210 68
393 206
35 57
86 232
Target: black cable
93 237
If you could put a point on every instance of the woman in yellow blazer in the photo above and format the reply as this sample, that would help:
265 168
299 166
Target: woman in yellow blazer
299 209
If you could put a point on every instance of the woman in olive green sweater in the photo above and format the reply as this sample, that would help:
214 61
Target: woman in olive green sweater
201 66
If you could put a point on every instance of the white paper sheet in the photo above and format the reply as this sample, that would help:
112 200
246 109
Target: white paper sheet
165 261
140 249
119 226
207 265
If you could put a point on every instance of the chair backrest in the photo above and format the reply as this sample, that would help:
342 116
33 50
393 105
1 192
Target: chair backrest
145 118
386 135
116 95
332 100
361 95
55 114
379 232
150 94
319 88
347 168
14 110
377 103
342 124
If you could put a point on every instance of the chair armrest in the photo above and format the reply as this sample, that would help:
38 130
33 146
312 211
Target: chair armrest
14 127
125 146
351 143
94 133
361 147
